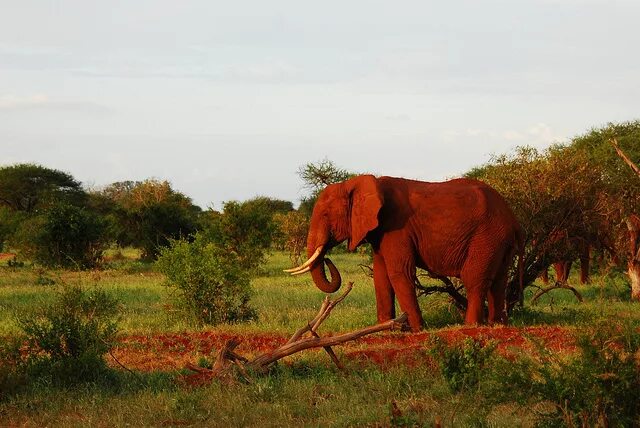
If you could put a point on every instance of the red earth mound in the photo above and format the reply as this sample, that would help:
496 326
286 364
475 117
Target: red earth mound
172 351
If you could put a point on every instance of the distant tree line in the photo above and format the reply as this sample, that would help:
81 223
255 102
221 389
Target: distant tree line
46 216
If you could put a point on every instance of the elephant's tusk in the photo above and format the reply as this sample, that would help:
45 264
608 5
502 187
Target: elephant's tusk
300 272
306 264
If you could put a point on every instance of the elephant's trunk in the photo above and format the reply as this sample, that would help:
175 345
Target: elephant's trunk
320 276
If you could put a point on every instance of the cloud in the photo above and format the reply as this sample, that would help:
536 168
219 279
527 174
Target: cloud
11 102
539 135
44 102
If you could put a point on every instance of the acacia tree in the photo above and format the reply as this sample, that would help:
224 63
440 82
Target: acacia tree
148 214
317 176
622 195
29 187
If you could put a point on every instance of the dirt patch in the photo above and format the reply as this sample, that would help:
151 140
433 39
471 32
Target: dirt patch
172 351
6 256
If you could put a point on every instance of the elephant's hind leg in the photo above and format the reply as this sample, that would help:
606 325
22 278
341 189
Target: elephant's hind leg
496 297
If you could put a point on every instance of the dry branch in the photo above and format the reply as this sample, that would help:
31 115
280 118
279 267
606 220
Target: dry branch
624 157
557 285
227 358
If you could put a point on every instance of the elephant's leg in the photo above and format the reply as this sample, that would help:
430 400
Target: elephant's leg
496 297
385 297
562 271
405 290
476 293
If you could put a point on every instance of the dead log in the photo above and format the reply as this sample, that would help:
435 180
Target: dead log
227 359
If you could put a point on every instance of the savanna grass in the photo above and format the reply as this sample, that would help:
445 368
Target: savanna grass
307 391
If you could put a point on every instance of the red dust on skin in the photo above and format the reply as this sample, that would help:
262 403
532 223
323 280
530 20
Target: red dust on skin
6 256
173 351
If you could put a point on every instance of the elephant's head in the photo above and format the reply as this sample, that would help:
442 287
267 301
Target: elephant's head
343 211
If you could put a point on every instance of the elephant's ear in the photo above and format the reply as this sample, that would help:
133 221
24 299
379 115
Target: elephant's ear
366 201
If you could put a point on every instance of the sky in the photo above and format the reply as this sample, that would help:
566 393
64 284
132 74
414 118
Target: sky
227 100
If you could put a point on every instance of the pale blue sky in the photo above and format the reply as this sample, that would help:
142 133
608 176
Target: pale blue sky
227 99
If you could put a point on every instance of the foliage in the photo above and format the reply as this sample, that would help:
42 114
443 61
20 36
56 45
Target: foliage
147 214
64 236
317 176
622 193
245 228
463 365
9 222
211 281
597 386
30 187
67 339
293 228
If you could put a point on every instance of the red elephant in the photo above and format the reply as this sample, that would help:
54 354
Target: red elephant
460 228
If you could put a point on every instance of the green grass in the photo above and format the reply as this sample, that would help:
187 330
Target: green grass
307 392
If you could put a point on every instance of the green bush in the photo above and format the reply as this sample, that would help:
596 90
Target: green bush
63 236
212 283
66 340
463 365
597 387
244 228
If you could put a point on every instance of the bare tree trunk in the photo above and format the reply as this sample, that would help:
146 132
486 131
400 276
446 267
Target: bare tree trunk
633 224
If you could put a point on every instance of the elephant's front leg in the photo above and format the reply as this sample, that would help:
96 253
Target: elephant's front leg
385 297
401 271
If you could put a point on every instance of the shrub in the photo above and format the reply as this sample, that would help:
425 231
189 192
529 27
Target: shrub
244 228
293 227
462 365
64 236
212 283
67 339
597 387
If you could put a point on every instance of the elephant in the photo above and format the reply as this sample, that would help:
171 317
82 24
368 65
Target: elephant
581 248
459 228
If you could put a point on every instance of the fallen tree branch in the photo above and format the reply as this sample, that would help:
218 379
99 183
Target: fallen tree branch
449 287
557 285
227 358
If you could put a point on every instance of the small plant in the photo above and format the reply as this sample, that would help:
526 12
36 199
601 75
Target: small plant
462 365
211 281
67 339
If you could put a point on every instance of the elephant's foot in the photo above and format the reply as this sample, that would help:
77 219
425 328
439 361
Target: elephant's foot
416 323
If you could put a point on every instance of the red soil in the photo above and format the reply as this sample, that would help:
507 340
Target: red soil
173 351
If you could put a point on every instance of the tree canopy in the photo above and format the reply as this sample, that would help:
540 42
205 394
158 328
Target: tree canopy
29 187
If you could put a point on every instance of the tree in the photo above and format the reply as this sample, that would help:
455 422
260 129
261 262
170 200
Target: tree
317 176
244 228
147 214
622 195
64 236
30 187
293 228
